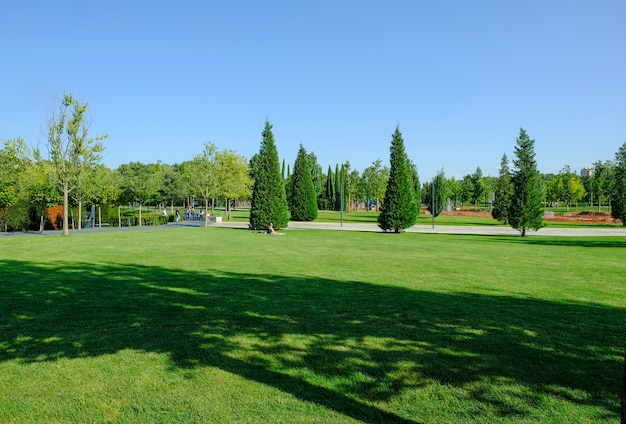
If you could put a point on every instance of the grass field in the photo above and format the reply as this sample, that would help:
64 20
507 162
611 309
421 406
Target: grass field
370 217
193 325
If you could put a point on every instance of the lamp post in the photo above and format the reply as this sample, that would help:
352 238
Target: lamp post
432 202
341 204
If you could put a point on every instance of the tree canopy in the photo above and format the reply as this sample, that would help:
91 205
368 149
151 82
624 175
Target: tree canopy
399 207
269 201
525 208
302 197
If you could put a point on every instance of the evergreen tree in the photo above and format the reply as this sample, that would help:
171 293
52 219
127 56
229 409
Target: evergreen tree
618 203
440 191
502 193
269 202
399 208
330 191
415 183
525 209
302 197
337 188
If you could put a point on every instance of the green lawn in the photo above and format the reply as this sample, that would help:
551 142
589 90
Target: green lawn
371 217
193 325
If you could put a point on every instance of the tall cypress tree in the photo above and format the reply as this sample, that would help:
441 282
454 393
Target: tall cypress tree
337 187
400 208
302 198
435 197
525 209
618 201
269 203
502 192
330 190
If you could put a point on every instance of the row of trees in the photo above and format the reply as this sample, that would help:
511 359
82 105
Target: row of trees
73 175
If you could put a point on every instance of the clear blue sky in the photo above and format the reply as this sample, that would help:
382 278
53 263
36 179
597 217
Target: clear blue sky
459 77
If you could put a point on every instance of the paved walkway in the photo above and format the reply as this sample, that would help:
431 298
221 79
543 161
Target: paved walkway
495 230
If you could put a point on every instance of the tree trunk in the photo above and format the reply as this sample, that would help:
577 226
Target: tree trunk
66 204
206 211
80 214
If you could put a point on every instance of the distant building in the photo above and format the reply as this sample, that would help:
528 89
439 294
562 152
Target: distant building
587 172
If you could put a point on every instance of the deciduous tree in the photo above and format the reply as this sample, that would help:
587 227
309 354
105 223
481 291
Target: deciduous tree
202 176
374 182
140 183
233 177
71 149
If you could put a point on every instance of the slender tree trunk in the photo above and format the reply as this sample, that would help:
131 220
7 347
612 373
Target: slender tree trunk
80 214
206 211
66 203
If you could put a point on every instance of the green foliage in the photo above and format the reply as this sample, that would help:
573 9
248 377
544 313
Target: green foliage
525 209
474 186
399 208
269 202
502 192
302 196
173 188
618 204
71 149
374 181
435 197
317 176
233 177
565 187
329 195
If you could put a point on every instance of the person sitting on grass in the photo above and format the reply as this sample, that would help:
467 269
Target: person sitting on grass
270 229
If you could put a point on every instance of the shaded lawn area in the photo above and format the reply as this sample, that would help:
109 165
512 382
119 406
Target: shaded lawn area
406 344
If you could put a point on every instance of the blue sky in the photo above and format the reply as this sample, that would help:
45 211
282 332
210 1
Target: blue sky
459 77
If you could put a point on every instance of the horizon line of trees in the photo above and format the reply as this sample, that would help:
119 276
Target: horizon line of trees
72 174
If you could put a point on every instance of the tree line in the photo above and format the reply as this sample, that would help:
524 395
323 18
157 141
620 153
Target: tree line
72 174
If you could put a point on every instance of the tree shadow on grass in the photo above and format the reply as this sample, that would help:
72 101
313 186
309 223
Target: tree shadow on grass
568 241
347 346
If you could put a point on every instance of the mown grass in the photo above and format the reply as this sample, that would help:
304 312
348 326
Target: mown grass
222 325
371 217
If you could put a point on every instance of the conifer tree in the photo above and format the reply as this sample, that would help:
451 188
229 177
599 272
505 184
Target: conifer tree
502 193
330 190
269 202
399 208
435 197
337 188
618 202
525 208
302 197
